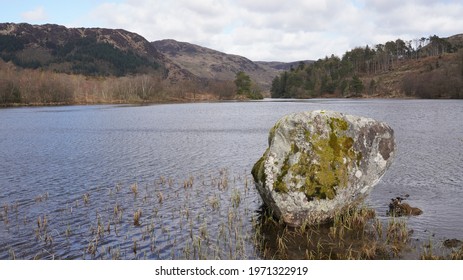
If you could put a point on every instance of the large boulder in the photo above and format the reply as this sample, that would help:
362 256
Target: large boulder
320 162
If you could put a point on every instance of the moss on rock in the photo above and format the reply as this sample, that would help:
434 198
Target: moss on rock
258 171
324 169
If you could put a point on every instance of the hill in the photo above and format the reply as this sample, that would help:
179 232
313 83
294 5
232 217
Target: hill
206 63
422 68
89 51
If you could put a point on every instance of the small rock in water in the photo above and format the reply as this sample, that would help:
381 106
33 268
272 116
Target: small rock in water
397 208
452 243
320 162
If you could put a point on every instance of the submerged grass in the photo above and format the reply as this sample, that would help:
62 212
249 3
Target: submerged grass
215 216
354 233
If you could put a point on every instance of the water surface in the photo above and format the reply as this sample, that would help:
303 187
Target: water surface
50 157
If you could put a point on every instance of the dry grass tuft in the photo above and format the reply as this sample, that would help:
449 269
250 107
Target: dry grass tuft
136 217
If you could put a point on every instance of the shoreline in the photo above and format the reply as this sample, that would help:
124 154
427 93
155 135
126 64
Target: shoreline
188 101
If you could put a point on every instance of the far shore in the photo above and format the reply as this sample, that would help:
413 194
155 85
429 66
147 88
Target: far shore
201 100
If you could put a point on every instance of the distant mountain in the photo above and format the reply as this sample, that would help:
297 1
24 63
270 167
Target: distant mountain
283 66
211 64
88 51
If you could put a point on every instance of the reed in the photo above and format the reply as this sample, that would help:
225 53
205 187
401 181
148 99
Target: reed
68 231
42 222
214 201
118 187
369 250
86 198
134 247
116 254
378 227
457 254
203 231
428 252
136 217
162 180
188 183
282 244
41 198
397 231
236 198
134 189
117 209
12 254
160 196
5 207
92 247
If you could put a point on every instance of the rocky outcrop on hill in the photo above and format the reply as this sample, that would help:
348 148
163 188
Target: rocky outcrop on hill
320 162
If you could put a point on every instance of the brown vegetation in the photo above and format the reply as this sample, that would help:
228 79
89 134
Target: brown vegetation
437 77
20 86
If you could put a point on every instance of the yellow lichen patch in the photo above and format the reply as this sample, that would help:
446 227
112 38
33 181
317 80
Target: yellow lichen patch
307 135
338 124
325 168
333 156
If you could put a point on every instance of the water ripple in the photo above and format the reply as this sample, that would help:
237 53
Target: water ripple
53 157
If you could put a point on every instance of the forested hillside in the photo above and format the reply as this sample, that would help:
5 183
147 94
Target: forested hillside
425 68
93 52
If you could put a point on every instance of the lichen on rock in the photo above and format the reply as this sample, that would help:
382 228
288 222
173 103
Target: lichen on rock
320 162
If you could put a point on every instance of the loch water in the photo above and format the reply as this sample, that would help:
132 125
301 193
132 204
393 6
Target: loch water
51 158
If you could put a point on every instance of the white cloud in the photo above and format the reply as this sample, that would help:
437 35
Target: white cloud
284 31
38 14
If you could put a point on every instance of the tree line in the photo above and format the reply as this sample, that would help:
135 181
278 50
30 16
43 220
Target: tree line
354 73
245 87
19 86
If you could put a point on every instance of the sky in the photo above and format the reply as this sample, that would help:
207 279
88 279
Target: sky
267 30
